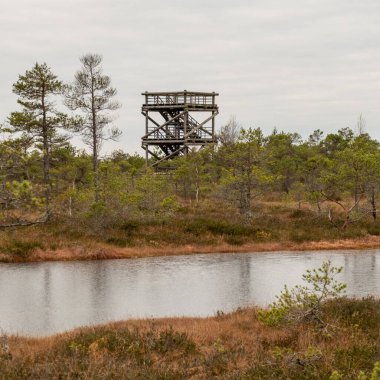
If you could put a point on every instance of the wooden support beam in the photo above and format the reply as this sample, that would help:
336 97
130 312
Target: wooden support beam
199 126
150 119
175 153
164 125
153 154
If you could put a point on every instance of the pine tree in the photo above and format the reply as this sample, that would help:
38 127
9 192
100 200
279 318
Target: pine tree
39 119
92 94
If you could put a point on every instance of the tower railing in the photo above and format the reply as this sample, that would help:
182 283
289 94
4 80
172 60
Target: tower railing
180 98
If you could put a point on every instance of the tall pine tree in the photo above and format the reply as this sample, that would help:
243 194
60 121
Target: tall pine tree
92 95
39 119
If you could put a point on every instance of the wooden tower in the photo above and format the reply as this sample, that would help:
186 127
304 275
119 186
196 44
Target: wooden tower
176 121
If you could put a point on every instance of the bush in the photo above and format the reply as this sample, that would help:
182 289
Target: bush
300 214
364 315
305 302
218 227
118 242
22 249
376 372
170 340
300 236
130 226
169 204
131 344
374 230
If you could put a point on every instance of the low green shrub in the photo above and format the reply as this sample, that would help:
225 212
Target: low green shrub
373 230
130 226
131 344
217 227
21 249
364 315
356 356
375 375
305 302
299 236
235 240
170 340
118 242
299 213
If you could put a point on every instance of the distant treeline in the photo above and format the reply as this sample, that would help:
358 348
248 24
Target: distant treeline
43 175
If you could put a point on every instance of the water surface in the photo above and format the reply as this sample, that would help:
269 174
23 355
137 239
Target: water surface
44 298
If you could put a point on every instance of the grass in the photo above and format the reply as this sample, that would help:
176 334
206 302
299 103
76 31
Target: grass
193 229
227 346
21 249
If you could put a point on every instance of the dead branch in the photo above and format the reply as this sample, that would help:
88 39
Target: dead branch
26 223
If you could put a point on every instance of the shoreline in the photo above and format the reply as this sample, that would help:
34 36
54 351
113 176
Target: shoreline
235 343
99 251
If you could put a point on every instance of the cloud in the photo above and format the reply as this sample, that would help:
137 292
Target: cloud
295 65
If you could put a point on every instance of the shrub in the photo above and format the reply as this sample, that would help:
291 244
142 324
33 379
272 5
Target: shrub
235 240
300 213
375 375
169 204
118 242
373 230
170 340
130 343
22 249
299 236
304 302
218 227
130 226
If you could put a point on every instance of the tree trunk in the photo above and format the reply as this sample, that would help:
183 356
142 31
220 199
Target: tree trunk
346 221
94 142
71 201
356 199
373 203
319 207
95 163
46 155
197 185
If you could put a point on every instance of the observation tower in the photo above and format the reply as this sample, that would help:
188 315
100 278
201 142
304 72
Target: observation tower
177 121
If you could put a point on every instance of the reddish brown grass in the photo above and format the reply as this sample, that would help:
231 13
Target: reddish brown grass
100 251
234 345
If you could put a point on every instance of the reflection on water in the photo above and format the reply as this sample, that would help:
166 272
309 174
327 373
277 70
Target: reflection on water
43 298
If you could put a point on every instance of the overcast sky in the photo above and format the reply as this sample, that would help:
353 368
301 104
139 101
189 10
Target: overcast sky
298 65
